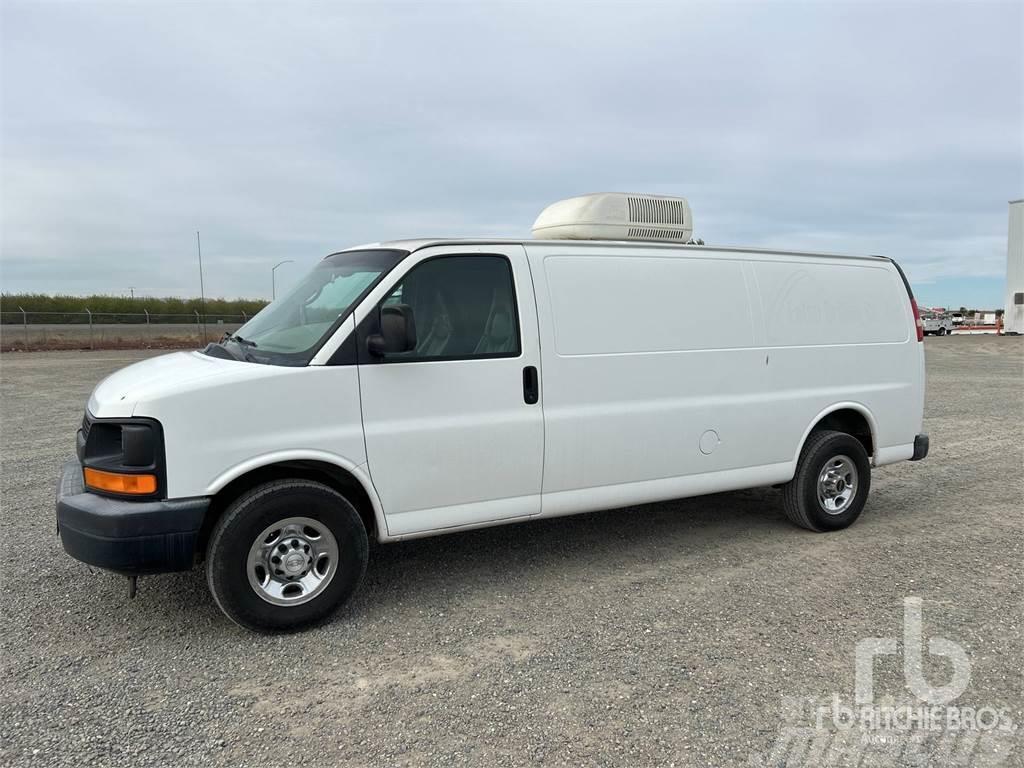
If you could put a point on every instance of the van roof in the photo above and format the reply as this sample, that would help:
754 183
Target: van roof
415 244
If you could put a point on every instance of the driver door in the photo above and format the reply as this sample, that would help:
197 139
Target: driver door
454 428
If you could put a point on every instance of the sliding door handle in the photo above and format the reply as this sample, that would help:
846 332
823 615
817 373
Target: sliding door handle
531 385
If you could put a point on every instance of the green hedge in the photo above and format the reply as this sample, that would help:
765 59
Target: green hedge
61 308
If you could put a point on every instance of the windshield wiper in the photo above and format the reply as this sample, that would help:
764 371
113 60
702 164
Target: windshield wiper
241 353
240 341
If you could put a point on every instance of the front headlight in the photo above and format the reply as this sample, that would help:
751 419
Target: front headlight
123 457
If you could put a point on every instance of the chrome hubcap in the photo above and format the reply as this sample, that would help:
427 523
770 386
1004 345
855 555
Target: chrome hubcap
837 484
292 561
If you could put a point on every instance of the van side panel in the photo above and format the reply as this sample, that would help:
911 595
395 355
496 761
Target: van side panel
674 373
629 304
821 303
839 330
645 353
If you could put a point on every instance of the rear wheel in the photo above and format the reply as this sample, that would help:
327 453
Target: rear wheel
831 484
285 555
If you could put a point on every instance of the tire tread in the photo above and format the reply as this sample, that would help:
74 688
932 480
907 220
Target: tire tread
792 492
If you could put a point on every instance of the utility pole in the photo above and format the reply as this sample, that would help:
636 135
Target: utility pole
131 290
202 290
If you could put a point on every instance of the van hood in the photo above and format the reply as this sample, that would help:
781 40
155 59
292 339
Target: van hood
117 395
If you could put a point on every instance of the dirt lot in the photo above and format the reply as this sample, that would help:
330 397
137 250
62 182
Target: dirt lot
674 633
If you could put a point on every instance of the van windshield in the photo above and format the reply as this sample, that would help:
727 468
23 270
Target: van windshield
291 329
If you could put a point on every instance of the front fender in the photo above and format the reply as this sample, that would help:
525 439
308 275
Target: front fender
357 471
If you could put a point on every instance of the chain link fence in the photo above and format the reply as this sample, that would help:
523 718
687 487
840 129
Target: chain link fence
104 330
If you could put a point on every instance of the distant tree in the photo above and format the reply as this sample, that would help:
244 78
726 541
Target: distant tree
71 309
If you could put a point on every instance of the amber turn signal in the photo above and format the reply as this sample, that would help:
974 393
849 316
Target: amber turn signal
115 482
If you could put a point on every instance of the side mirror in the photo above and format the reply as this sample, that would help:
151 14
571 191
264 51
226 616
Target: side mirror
397 331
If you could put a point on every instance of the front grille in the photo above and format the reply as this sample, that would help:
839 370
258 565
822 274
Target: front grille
86 425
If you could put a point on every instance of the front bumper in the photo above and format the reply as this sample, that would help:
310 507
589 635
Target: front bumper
126 536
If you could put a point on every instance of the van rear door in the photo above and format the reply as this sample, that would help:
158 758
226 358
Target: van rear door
454 428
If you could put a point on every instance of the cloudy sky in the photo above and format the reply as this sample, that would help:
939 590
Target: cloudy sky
288 130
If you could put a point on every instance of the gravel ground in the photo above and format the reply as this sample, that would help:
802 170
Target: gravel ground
667 634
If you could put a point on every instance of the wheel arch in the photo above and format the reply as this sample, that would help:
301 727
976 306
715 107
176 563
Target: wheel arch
850 417
346 478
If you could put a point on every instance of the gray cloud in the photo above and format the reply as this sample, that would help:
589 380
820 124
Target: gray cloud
291 130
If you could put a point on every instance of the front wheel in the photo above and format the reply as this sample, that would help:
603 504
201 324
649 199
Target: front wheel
831 484
285 555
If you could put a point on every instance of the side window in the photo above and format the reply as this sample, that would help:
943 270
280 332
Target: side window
464 308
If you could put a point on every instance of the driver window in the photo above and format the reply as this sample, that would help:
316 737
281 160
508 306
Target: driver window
464 308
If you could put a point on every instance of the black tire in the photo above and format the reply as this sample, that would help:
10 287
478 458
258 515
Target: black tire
251 513
800 495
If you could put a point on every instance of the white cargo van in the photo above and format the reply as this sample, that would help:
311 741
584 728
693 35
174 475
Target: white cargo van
421 387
